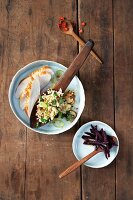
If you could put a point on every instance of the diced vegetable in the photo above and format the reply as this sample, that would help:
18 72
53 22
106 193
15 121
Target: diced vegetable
58 123
59 73
43 120
43 105
71 115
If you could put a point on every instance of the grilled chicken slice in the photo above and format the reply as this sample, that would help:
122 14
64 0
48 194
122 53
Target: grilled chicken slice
32 94
23 84
29 89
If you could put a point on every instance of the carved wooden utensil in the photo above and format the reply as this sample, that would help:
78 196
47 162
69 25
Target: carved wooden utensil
71 32
66 77
79 163
83 160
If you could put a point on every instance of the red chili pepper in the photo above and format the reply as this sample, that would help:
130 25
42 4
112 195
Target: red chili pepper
81 30
66 29
59 25
61 18
83 24
64 24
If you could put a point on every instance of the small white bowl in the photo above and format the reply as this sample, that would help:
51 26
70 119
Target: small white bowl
80 150
49 128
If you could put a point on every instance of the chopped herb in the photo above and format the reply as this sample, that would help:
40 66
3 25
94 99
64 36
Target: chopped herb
61 115
54 102
40 98
53 80
37 124
43 120
61 100
69 117
59 73
55 94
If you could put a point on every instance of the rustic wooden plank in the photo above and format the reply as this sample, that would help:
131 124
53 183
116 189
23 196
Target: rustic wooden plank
12 133
47 156
123 61
98 84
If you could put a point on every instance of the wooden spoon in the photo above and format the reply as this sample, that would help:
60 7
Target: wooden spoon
83 160
79 163
66 77
81 42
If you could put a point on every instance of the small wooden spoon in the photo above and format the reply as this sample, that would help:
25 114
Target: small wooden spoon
83 160
81 42
66 77
79 163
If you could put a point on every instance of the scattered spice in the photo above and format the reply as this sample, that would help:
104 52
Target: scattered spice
99 139
63 24
59 25
66 28
81 30
61 18
83 24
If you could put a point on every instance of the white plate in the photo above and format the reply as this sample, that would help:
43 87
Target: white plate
80 150
75 85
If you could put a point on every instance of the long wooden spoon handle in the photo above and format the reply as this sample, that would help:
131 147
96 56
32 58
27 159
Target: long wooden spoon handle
82 43
74 67
78 163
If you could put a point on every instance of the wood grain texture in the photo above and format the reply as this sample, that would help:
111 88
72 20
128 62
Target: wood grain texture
30 163
123 63
12 133
47 156
98 84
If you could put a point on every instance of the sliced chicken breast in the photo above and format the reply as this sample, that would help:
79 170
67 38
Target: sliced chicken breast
22 101
29 89
32 95
44 80
23 84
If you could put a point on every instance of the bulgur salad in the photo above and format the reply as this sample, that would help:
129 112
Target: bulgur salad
54 105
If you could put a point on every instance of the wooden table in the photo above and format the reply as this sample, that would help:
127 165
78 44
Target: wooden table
30 162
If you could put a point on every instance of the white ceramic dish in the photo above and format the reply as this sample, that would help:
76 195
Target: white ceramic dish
80 150
75 85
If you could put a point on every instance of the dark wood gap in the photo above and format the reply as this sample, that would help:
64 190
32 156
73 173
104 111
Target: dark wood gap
79 122
114 85
25 164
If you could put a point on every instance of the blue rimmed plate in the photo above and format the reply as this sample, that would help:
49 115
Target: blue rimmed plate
81 150
49 128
